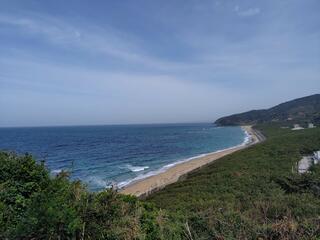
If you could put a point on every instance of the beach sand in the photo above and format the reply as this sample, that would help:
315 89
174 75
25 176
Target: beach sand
142 188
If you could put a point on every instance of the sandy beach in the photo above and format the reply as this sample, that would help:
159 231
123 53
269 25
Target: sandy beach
145 186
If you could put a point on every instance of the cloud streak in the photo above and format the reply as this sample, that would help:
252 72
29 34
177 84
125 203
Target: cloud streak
61 33
105 42
248 12
157 98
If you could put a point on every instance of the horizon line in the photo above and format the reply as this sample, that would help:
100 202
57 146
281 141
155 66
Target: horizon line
108 124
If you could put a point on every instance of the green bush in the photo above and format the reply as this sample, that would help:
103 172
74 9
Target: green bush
35 205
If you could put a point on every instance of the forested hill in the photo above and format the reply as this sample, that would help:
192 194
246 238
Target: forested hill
301 110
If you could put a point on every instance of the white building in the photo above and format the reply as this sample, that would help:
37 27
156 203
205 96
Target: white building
310 125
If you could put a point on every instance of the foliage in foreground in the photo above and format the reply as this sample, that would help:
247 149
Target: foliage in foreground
251 194
35 205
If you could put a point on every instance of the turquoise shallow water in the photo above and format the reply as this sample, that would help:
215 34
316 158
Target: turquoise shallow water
118 154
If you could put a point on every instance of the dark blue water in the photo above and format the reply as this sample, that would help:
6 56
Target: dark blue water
104 155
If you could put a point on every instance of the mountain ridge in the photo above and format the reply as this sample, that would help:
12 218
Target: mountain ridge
299 110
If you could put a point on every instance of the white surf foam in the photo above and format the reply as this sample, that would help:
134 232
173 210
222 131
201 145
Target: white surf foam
247 138
56 171
137 168
99 181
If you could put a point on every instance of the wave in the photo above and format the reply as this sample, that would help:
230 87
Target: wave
61 145
137 168
247 140
56 171
99 182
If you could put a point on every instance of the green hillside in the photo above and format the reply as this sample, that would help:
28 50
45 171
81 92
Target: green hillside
301 110
252 194
35 205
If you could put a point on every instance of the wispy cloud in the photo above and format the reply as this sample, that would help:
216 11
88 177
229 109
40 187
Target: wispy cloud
247 12
83 94
105 42
65 34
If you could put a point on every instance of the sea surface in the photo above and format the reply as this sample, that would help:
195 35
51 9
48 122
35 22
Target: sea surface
102 156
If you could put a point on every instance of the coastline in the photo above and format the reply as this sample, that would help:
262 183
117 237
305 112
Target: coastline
144 187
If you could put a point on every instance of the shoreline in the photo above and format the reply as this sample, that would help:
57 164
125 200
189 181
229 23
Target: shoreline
148 185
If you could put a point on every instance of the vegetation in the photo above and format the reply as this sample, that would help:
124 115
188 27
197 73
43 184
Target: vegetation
302 110
34 205
252 194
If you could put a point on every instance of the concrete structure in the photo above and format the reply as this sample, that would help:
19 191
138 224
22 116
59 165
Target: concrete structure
316 157
297 127
310 125
304 164
307 161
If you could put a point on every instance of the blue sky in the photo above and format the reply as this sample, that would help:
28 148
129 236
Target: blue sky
115 62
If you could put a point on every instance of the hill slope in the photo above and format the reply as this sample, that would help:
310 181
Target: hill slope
306 109
251 194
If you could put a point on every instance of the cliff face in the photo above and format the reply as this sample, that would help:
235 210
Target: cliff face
306 109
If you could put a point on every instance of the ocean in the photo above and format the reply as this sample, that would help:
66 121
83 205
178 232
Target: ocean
102 156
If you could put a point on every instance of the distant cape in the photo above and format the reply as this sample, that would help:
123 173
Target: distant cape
300 110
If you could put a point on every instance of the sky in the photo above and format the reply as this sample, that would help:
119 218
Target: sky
83 62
